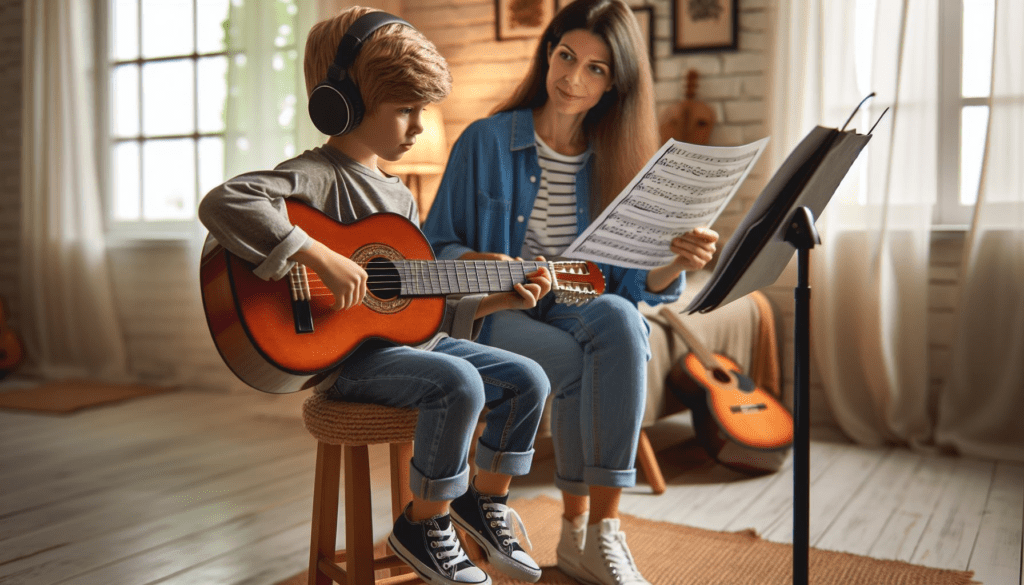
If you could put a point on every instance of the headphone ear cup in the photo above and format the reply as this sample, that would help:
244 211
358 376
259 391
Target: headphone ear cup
335 106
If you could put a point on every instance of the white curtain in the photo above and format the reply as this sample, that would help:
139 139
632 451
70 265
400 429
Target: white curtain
267 120
869 279
979 409
68 317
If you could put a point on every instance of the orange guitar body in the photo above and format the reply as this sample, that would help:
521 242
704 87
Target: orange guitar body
277 344
746 413
251 319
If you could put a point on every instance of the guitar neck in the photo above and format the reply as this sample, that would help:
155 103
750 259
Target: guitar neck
449 277
706 358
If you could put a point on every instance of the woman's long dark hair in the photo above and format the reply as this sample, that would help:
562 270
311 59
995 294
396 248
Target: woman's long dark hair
622 126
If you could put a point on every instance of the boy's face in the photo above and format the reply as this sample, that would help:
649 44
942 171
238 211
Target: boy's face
390 130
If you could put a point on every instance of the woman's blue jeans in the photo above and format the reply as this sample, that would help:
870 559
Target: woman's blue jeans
450 386
596 358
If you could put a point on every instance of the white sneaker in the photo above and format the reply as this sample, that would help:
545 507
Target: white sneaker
570 544
606 559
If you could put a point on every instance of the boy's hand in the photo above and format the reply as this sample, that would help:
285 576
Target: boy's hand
345 279
693 249
525 296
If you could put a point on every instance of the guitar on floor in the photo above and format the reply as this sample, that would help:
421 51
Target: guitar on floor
282 336
739 424
11 350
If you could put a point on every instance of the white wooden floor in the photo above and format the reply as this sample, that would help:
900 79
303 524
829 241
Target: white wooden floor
200 488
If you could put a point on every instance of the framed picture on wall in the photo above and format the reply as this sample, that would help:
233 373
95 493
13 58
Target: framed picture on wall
705 25
645 16
517 19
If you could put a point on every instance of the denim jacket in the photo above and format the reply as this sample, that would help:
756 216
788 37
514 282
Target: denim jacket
487 194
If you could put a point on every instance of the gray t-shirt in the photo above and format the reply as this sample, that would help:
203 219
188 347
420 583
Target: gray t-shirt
247 215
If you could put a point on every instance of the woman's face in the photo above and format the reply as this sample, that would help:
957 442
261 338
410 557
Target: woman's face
579 72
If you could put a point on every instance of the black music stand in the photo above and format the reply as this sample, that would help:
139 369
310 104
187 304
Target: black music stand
781 221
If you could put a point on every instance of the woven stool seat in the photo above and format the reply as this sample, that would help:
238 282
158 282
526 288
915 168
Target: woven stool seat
352 423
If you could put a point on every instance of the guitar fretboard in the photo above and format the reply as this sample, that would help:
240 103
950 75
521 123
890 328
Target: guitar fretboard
445 277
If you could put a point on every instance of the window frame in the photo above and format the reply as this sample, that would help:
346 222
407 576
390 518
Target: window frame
120 231
949 214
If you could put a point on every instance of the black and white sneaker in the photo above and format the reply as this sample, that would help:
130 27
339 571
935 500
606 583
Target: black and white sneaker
432 549
487 521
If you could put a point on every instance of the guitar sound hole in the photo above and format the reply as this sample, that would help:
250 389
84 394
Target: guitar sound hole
383 280
721 375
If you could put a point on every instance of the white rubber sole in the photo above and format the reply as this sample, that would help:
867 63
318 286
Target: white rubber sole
495 557
423 571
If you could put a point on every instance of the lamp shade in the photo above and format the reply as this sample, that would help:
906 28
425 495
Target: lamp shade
429 154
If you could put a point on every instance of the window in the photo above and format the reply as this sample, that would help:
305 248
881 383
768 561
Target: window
965 78
964 62
167 72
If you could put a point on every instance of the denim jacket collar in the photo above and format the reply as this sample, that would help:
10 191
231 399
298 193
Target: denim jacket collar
522 130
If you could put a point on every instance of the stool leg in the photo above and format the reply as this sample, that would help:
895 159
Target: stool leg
325 511
401 495
358 516
649 463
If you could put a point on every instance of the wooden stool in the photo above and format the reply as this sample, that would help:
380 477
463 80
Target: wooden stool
351 426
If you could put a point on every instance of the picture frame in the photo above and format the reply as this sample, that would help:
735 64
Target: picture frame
518 19
705 25
645 17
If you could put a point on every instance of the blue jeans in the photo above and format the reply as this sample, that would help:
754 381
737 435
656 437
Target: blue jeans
596 358
450 386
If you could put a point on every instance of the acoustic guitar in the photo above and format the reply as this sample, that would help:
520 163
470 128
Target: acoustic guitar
11 349
738 423
282 336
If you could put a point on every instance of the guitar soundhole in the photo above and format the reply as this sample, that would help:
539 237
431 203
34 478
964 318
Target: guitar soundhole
721 375
383 280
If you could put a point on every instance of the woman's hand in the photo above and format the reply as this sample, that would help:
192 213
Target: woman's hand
345 279
693 251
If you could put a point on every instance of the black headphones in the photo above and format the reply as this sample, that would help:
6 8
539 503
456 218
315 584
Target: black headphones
335 104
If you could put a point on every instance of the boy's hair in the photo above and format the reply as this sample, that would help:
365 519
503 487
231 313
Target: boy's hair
395 64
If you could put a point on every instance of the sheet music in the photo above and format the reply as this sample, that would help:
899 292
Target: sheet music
683 186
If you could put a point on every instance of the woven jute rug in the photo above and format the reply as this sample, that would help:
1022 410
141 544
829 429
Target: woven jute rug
670 554
66 396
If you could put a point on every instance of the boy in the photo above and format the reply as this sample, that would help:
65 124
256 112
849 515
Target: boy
449 379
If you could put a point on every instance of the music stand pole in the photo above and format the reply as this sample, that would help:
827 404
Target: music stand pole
802 235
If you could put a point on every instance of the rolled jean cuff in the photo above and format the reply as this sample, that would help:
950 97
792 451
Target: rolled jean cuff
505 462
437 490
614 478
574 488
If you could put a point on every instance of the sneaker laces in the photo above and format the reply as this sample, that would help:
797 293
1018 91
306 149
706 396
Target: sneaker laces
619 559
447 539
500 517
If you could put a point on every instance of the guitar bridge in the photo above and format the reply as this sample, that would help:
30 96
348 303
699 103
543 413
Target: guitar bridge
302 314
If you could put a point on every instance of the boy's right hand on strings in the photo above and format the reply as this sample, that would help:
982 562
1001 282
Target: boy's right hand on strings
345 279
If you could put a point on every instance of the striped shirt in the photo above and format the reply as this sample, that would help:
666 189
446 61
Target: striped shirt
552 224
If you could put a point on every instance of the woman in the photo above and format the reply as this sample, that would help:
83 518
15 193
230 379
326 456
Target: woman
525 182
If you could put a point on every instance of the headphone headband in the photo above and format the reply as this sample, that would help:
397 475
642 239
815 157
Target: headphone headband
335 104
358 32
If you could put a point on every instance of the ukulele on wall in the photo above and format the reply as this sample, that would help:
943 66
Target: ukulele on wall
738 423
282 336
11 350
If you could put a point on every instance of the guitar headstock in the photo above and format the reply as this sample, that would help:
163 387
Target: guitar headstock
574 282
